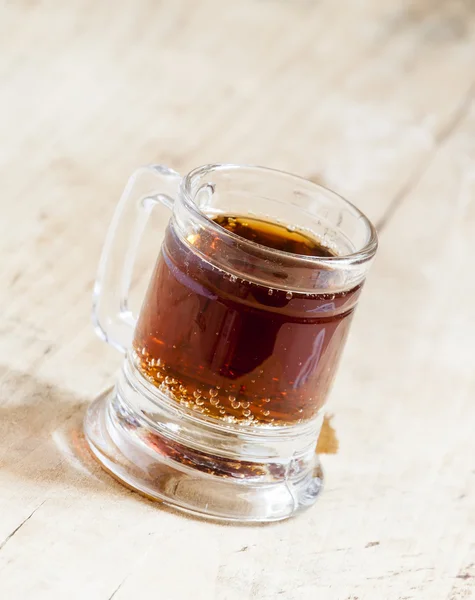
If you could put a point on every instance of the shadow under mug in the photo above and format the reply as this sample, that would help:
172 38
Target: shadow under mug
218 406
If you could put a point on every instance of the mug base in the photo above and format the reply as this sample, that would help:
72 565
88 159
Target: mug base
151 469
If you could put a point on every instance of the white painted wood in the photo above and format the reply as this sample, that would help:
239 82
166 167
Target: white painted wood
373 98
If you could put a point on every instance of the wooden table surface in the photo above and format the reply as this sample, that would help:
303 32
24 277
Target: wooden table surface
375 99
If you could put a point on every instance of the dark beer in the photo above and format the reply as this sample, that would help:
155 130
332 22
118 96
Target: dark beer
236 350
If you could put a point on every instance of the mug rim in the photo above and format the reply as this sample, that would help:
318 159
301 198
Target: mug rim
363 255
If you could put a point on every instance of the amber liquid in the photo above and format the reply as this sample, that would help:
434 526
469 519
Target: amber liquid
233 349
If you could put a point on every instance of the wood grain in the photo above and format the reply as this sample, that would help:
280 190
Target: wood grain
374 99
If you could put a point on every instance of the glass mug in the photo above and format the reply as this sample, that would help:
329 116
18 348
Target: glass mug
218 406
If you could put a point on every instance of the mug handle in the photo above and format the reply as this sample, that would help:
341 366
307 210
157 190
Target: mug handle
113 320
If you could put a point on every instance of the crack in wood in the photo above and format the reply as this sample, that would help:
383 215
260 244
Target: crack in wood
463 583
118 587
17 529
